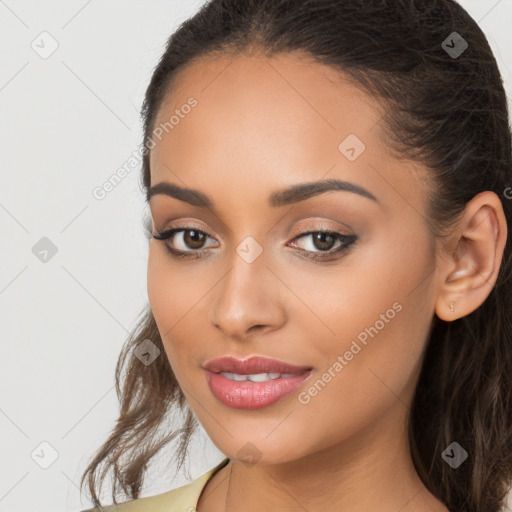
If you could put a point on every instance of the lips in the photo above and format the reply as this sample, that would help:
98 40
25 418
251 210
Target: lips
255 382
253 365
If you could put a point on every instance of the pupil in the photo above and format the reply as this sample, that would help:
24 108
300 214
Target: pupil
320 237
194 236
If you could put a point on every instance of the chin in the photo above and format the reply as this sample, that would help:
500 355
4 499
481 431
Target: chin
255 450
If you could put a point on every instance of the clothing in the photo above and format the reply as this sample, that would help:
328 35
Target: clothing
182 499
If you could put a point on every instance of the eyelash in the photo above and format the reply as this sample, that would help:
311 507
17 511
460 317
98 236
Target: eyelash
322 256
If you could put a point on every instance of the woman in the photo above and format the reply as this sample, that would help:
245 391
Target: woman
329 269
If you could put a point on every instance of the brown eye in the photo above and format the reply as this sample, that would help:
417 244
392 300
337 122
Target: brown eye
193 238
323 241
322 244
183 240
189 243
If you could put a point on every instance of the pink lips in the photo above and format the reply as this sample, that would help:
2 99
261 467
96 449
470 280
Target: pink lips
248 394
252 365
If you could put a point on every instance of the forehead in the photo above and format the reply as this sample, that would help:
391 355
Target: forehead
242 99
264 122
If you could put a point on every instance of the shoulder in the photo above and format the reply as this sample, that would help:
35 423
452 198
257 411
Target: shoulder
182 499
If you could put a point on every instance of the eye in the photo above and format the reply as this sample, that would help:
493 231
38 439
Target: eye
324 241
190 238
321 246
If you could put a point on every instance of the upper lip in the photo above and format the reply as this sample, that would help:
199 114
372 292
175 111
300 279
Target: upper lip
252 365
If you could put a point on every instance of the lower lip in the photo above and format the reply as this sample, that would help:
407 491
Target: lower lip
253 395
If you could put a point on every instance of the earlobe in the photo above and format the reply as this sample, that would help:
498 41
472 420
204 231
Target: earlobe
446 307
468 273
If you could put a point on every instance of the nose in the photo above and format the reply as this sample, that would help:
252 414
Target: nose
247 299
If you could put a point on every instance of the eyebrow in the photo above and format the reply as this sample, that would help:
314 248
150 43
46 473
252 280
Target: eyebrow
291 195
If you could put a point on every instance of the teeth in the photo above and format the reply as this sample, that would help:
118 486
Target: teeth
256 377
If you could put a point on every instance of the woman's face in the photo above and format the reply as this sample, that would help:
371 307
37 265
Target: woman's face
358 315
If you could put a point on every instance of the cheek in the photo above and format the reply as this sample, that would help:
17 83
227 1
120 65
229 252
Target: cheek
165 295
371 367
340 303
158 282
176 294
376 317
172 290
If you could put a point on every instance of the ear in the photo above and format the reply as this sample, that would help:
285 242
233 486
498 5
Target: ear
470 258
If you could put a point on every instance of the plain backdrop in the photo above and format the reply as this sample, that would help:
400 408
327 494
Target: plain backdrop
73 267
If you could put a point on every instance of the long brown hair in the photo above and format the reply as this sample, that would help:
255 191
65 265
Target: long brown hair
448 112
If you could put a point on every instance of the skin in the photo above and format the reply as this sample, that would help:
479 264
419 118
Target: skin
262 125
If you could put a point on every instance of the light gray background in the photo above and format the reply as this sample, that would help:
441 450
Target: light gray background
67 123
